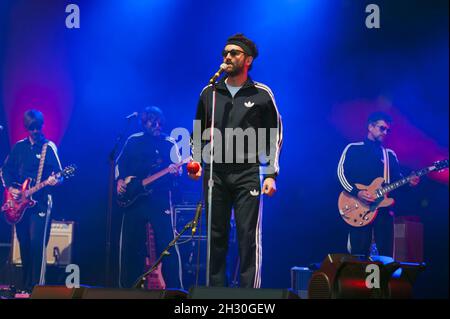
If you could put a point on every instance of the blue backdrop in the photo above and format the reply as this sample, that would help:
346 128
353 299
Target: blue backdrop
326 69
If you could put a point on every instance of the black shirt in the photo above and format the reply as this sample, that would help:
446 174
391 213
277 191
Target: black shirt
23 162
252 107
144 155
362 162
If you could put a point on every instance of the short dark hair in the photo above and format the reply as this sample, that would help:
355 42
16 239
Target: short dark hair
377 116
33 118
245 43
151 113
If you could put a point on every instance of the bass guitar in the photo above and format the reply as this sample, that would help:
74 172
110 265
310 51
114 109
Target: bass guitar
136 188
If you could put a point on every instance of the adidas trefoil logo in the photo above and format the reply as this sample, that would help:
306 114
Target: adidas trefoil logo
249 104
254 192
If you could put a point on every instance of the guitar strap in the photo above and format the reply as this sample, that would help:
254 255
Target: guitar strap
41 163
386 166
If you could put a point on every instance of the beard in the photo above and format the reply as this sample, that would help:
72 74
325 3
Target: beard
236 70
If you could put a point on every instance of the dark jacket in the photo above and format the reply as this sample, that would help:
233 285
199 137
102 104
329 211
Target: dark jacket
362 162
253 107
144 155
23 163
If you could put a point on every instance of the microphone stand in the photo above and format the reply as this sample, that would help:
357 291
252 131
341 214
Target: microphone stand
141 280
112 161
210 185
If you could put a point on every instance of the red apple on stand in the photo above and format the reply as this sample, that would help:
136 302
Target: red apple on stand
193 167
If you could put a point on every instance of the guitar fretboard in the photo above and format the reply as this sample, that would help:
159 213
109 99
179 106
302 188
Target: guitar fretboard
36 188
388 188
40 186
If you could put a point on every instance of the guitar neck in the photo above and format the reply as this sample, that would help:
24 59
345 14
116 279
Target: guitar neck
160 174
40 186
388 188
36 188
154 177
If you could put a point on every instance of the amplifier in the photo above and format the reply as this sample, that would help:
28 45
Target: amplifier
408 239
185 214
59 248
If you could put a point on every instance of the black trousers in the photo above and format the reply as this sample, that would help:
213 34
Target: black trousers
383 231
241 191
33 235
133 239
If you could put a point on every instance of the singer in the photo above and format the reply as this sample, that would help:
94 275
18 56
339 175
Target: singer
146 153
241 105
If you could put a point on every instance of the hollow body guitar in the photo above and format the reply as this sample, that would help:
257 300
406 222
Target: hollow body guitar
358 213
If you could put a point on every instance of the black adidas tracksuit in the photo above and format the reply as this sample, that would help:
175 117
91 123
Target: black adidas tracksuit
237 184
361 163
141 156
33 230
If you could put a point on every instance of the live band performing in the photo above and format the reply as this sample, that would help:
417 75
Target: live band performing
326 180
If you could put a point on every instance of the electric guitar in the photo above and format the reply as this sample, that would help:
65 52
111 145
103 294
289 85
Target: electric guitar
358 213
136 188
155 279
14 209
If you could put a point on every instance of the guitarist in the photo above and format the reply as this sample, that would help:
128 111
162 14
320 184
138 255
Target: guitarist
22 163
146 153
361 163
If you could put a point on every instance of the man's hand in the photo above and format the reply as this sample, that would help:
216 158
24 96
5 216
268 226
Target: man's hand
414 181
366 196
173 169
269 186
197 175
52 180
121 186
15 193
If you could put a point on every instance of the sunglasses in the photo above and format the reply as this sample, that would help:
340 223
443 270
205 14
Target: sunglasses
232 52
34 128
383 129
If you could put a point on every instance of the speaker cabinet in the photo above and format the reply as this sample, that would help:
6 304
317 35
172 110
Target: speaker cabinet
240 293
408 239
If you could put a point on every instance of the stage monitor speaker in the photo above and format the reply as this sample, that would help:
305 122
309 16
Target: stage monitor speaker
240 293
59 248
62 292
56 292
343 276
108 293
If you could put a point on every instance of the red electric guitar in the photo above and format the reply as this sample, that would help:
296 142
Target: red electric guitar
14 209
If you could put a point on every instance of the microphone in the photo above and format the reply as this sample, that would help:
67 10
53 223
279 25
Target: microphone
129 117
223 66
198 212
